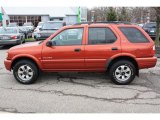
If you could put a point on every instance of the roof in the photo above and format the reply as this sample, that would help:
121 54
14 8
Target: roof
51 11
105 22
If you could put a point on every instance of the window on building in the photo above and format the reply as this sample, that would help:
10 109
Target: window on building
20 20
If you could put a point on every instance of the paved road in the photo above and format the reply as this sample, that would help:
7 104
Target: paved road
79 92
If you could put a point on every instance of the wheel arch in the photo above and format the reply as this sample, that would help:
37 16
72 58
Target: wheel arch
125 57
32 59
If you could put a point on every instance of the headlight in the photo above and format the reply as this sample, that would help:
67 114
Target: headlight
38 35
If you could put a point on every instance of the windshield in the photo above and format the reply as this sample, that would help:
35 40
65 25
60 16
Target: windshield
27 24
8 31
52 25
150 25
12 25
40 24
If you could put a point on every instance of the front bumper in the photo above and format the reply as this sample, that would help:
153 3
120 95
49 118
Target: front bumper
146 62
7 64
42 38
10 42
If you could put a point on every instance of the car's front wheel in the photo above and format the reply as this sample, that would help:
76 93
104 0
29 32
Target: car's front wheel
122 72
25 72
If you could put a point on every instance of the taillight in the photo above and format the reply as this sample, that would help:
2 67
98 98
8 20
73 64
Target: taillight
14 37
153 50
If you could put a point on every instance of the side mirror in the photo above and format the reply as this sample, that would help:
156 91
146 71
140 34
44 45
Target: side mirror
49 43
40 29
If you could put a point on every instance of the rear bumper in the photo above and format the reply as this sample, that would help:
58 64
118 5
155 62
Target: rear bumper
152 36
10 42
146 62
7 64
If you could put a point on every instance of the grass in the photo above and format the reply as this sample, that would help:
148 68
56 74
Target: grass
29 39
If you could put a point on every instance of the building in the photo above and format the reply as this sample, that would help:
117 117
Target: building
21 15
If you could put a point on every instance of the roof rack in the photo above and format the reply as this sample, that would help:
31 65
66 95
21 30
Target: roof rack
104 22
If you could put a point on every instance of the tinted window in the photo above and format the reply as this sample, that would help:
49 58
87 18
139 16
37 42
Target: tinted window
68 37
101 36
133 35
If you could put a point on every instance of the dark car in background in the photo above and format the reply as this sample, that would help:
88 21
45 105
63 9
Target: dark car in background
150 28
48 28
11 36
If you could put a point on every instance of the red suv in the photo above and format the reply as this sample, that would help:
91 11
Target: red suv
119 49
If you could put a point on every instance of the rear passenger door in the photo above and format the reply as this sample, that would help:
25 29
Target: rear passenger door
102 43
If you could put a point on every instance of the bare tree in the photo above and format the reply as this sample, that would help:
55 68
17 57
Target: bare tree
130 14
157 9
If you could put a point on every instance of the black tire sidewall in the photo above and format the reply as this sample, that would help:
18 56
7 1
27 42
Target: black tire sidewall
116 65
30 64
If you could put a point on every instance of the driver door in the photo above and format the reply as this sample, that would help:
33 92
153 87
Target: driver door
66 52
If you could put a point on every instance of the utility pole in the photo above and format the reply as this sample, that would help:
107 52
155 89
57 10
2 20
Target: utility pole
92 15
4 17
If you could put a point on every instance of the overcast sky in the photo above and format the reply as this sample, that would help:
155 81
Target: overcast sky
86 3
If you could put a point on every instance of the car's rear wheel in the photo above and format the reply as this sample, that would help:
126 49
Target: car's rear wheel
122 72
25 72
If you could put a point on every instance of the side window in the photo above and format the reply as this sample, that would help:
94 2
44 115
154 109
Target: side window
101 36
134 35
68 37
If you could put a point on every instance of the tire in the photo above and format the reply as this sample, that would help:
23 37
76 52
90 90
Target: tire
21 41
37 39
122 72
25 72
24 40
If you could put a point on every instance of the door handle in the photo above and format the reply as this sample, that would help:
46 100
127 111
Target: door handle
114 48
77 50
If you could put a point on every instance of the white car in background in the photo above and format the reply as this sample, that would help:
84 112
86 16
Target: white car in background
29 25
36 31
141 25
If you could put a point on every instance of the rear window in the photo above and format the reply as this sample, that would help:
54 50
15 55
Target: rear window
150 25
52 25
101 36
8 31
134 35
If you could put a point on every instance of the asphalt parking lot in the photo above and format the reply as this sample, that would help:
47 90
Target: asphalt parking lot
79 93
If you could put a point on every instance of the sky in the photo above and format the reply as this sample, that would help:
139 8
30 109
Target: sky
70 3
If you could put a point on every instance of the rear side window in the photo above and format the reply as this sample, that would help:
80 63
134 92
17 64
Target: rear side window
101 36
134 35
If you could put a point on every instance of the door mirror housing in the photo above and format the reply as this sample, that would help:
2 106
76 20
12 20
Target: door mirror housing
40 29
49 43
